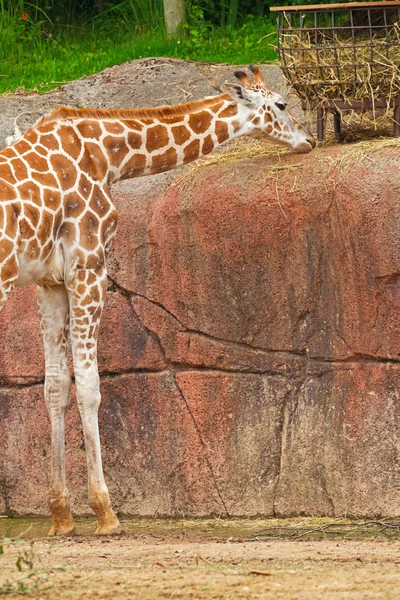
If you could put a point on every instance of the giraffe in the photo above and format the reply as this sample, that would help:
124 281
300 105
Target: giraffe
57 222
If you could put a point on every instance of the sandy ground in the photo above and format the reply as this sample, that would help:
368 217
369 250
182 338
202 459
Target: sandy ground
199 560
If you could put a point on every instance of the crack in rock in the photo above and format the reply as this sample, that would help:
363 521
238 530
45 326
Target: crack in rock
202 442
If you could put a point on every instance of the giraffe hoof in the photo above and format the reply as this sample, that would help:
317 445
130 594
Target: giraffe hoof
113 528
62 529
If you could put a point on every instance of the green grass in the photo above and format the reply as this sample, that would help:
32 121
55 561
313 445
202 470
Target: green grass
36 61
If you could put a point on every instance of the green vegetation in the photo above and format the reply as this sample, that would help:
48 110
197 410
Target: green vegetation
25 579
43 44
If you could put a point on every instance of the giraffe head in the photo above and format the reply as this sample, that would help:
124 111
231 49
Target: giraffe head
268 118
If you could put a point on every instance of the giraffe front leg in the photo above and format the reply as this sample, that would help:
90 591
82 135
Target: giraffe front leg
86 294
8 268
54 315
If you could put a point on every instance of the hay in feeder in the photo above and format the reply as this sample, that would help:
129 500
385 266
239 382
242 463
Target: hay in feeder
361 125
325 66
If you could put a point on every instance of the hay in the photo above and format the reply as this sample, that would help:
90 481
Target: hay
358 126
241 149
330 66
364 150
236 151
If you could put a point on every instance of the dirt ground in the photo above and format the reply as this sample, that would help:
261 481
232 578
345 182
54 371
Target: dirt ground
201 559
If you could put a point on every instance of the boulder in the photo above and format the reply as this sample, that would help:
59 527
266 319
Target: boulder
249 348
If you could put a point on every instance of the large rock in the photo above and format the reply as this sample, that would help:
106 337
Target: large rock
249 349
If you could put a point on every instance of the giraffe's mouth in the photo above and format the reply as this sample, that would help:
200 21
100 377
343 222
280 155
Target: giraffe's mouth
306 146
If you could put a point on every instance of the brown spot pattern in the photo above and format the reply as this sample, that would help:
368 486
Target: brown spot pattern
21 147
192 151
50 141
181 134
32 136
134 167
29 191
32 249
46 250
25 229
46 179
6 173
90 129
85 186
133 125
236 125
135 140
73 205
109 226
93 161
7 153
10 269
37 162
200 122
6 247
68 232
33 214
7 191
89 226
65 170
116 149
20 170
229 111
156 138
165 161
99 203
221 131
208 145
70 141
51 198
114 128
46 227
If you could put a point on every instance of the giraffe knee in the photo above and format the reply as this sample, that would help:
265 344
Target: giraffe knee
89 399
87 382
57 390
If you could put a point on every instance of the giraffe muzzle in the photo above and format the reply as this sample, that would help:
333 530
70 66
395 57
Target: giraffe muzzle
306 145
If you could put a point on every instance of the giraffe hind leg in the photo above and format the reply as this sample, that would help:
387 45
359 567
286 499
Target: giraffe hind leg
54 314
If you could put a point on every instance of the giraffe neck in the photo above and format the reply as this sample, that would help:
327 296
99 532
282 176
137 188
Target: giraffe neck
173 141
137 143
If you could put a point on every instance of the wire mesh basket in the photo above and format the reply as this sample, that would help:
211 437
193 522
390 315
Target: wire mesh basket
341 51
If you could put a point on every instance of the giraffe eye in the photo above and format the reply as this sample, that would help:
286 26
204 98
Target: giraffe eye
280 105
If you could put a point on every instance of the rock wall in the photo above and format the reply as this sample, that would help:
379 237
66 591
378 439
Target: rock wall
249 350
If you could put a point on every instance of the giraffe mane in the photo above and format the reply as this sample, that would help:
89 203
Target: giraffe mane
64 113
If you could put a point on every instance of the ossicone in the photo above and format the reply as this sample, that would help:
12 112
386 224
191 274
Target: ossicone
258 76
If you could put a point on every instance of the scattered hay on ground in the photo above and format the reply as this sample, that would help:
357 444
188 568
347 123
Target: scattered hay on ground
238 150
355 153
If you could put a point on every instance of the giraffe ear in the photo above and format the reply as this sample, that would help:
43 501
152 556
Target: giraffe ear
243 95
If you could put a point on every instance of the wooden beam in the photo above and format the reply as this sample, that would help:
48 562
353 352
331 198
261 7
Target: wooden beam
341 5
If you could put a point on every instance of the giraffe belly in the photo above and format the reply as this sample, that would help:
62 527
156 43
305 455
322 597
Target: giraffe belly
46 272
